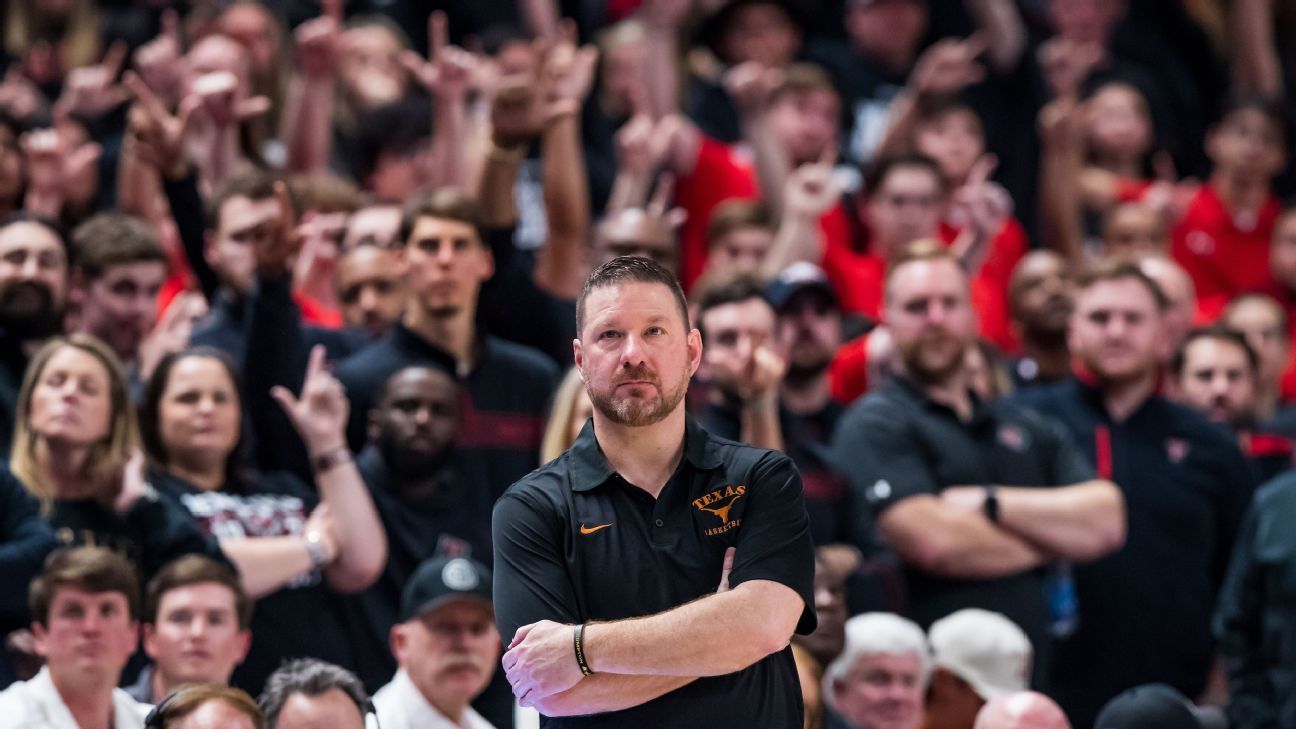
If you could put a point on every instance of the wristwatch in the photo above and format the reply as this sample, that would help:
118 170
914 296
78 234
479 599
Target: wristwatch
991 503
328 460
315 548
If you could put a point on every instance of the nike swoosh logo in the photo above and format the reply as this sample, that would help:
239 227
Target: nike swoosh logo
590 530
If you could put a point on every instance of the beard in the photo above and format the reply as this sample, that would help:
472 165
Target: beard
924 362
27 311
638 412
808 362
408 464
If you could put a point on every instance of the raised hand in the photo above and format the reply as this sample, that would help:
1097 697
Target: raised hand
57 169
568 74
223 102
320 414
450 71
92 91
981 207
318 42
158 61
18 95
1066 64
274 247
133 484
751 85
154 134
171 333
812 189
949 66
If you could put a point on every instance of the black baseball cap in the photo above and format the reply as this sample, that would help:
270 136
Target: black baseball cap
798 277
1153 706
443 580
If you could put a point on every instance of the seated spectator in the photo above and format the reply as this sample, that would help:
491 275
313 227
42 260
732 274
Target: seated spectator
306 693
120 268
1135 230
507 385
25 541
1039 301
1158 453
571 408
289 541
373 225
76 450
1155 706
1009 491
1216 373
978 657
739 235
197 623
433 504
1021 710
447 647
1252 614
370 289
1263 321
85 608
34 282
880 678
206 706
1181 300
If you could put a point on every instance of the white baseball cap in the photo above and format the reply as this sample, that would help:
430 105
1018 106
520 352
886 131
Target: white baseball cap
983 648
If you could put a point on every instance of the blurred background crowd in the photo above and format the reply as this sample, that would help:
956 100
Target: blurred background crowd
287 300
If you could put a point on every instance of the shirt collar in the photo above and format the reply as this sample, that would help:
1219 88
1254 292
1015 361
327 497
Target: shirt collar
589 467
914 392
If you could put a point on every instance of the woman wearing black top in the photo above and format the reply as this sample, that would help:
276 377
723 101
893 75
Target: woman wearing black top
287 540
75 449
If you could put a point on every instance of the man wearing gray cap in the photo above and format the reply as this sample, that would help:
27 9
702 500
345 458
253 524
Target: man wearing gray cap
447 646
978 656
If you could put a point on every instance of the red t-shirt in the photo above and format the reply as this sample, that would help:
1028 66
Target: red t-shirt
848 371
726 172
859 278
1222 258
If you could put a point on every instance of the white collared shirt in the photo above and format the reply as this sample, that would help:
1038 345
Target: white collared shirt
36 704
401 705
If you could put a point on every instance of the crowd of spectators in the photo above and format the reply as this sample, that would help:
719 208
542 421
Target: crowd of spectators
288 293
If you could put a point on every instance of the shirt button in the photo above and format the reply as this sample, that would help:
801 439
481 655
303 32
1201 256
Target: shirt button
660 523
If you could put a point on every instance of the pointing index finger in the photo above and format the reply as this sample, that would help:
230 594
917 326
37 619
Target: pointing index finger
438 34
331 9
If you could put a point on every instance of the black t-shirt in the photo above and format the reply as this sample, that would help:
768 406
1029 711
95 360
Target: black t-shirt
302 619
554 561
1145 610
805 441
454 521
895 444
502 406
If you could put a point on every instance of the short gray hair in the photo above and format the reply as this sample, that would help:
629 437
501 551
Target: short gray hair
874 634
312 677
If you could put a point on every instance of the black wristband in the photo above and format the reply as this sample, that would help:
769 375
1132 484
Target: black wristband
578 640
991 503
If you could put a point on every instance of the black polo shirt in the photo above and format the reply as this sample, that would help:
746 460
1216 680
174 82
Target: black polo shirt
1145 610
805 441
895 443
556 560
502 405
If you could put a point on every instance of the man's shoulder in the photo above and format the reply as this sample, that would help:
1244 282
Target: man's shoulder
519 359
544 485
130 712
736 457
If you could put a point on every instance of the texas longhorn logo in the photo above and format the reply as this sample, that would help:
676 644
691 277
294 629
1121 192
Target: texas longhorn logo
719 502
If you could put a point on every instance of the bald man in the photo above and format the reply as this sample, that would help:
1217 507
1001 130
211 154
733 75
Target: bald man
1022 710
1179 291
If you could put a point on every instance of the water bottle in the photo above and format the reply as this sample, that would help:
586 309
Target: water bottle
1063 604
